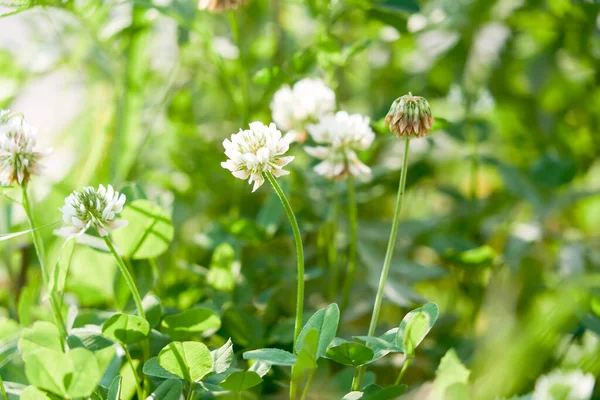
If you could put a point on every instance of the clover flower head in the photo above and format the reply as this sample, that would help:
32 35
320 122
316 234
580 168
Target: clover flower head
305 102
257 150
561 385
410 116
221 5
339 136
91 207
18 159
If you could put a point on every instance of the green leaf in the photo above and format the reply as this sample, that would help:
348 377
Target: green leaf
271 357
398 6
307 360
350 353
265 75
260 367
451 373
61 268
374 392
188 360
33 393
415 326
325 321
148 232
220 274
41 336
89 338
241 380
126 329
191 322
222 357
171 389
27 300
152 309
114 390
74 374
152 368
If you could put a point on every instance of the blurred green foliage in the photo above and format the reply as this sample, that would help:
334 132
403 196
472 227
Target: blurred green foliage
502 220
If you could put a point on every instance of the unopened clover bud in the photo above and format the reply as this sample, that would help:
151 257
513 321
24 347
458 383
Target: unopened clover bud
410 116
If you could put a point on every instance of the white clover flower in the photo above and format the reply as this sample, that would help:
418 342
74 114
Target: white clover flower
18 160
92 207
257 150
307 101
560 385
339 137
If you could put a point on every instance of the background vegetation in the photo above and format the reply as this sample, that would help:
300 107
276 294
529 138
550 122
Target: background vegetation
502 220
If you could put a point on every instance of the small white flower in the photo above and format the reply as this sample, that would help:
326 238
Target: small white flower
560 385
92 207
257 150
18 160
339 137
305 102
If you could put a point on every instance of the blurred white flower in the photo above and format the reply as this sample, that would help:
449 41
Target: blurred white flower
527 232
257 150
92 207
560 385
340 136
389 34
18 160
224 47
305 102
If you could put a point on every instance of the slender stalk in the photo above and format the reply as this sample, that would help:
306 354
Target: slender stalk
307 386
238 395
39 249
128 278
300 263
4 395
138 381
389 252
355 379
190 395
243 76
353 219
299 254
403 370
332 250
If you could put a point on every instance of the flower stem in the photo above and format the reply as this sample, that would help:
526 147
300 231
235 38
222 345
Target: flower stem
300 262
307 386
332 250
245 87
355 380
39 249
4 395
128 278
299 254
403 370
190 395
138 382
353 219
389 252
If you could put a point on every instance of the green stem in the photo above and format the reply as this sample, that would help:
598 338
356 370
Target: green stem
242 70
39 249
128 278
4 395
389 252
299 254
238 395
300 263
403 370
307 386
332 250
353 219
356 380
190 395
138 381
